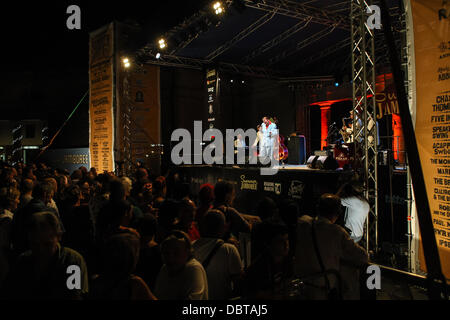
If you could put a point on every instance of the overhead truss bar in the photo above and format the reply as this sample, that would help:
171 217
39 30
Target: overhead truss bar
277 40
241 35
298 10
302 44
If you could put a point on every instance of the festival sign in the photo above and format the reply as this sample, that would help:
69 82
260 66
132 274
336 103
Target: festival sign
432 113
101 125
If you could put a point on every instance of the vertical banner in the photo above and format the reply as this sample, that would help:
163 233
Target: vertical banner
101 122
212 88
431 109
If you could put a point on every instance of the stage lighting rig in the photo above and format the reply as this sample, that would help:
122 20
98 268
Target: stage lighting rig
218 8
126 62
162 43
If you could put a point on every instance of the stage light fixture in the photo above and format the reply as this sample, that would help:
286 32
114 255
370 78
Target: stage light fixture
218 8
231 80
158 55
126 62
336 84
162 43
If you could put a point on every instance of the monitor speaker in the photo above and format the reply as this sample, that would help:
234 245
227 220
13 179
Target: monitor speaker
297 150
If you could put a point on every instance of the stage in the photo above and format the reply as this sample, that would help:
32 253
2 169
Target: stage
295 182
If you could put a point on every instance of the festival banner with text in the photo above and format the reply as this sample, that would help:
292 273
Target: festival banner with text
101 125
431 25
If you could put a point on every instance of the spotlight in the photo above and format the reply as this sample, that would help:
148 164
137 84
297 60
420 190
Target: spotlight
162 43
336 84
126 62
158 55
218 8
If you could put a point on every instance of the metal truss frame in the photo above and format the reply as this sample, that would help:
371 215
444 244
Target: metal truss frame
298 10
302 44
241 35
364 110
277 40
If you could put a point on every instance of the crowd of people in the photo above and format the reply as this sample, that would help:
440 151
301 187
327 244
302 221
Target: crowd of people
89 235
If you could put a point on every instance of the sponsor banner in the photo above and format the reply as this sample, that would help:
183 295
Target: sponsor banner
70 159
212 88
101 123
296 189
431 27
274 187
248 184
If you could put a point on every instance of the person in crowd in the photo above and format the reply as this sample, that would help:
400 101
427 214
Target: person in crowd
42 195
117 280
206 199
76 176
224 196
267 211
268 275
289 214
142 178
187 222
54 185
168 218
9 200
115 217
99 200
221 260
26 192
85 191
159 191
79 224
356 208
322 247
43 272
150 261
181 277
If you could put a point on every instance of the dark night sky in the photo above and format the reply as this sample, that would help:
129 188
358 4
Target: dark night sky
44 66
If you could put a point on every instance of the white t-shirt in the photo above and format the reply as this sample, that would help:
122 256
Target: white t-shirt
356 215
190 284
225 263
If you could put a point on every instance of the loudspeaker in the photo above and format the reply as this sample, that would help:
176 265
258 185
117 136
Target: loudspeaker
297 150
311 163
326 163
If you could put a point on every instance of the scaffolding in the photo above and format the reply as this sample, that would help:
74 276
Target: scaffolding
364 111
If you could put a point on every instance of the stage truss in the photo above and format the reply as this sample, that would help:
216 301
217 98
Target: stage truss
364 110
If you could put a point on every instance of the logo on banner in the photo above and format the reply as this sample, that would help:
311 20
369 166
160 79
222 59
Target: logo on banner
272 187
248 184
296 189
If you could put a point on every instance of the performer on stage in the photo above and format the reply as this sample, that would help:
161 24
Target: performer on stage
347 129
269 133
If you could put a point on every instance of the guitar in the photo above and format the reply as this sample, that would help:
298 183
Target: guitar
282 153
